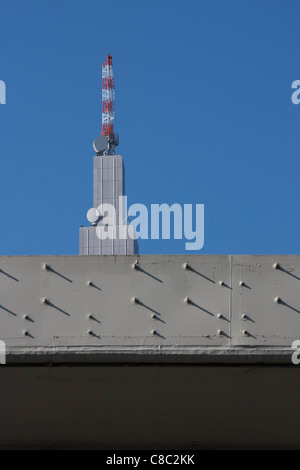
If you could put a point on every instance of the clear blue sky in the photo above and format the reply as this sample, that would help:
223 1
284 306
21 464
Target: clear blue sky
203 111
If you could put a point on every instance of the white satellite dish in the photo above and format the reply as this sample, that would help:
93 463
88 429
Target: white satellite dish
100 144
93 215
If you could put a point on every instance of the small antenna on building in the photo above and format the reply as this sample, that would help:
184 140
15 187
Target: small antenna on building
108 106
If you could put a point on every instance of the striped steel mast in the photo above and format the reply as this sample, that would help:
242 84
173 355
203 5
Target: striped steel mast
108 105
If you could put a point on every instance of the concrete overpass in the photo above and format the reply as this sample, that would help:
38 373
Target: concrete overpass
149 352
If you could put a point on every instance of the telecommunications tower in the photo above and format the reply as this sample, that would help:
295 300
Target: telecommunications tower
109 185
108 105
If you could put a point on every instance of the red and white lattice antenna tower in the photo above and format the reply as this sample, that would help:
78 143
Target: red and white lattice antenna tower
108 97
108 103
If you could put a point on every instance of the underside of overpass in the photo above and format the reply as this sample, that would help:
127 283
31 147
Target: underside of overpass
149 352
149 407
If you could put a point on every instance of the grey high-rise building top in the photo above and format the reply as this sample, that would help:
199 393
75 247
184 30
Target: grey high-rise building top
109 186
